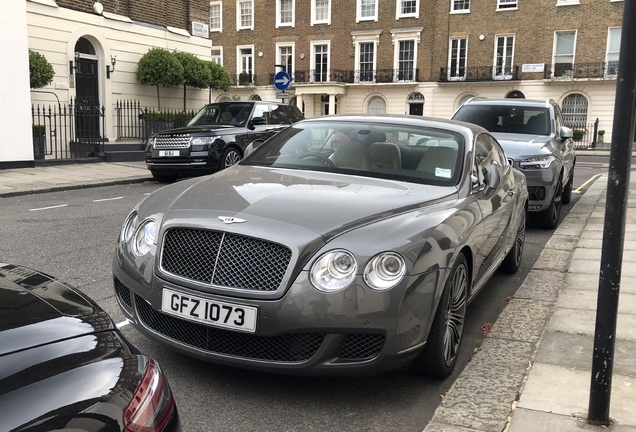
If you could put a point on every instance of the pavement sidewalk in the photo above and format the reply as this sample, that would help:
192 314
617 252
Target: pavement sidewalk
532 372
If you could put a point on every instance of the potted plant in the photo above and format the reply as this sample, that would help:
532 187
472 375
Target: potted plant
245 78
577 133
601 135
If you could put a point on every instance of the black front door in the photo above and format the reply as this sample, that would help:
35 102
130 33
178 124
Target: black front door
416 109
87 109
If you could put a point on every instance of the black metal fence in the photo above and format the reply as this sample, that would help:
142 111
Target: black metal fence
585 137
136 122
68 131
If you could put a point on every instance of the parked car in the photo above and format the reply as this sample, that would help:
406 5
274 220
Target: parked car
532 134
65 366
342 245
215 138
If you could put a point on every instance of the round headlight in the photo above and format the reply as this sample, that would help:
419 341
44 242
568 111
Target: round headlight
129 227
384 271
333 271
145 237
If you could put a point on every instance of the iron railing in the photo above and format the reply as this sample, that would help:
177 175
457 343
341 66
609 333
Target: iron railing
479 74
353 76
581 70
585 135
134 122
68 131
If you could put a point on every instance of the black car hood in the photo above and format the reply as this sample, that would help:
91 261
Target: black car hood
320 202
36 309
193 130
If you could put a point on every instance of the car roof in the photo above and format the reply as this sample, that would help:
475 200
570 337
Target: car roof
511 102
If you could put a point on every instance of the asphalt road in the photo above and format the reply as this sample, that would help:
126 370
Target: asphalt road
72 235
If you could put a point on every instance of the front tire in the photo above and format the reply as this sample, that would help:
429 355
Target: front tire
567 191
439 356
230 157
550 216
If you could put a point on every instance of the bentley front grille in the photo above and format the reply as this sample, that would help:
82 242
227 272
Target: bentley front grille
292 347
223 259
172 142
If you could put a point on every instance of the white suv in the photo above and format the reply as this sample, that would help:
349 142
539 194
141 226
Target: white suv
532 134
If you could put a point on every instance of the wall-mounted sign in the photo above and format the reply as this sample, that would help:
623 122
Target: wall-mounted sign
533 67
200 29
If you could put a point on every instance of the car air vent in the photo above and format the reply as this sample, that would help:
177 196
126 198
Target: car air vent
172 141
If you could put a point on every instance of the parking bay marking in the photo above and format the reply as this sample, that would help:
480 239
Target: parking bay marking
108 199
48 208
594 177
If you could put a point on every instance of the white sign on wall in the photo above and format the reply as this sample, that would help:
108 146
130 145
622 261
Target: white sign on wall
533 67
200 29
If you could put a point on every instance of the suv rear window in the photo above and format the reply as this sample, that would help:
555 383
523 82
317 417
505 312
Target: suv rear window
508 119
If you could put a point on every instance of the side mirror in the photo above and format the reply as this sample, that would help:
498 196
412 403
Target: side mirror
492 177
565 133
258 121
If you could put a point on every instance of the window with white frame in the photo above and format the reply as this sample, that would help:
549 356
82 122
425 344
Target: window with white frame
216 16
407 9
366 61
457 59
504 55
245 14
460 5
376 105
320 61
286 57
613 50
405 43
563 59
507 4
567 2
245 63
320 12
285 13
217 55
366 10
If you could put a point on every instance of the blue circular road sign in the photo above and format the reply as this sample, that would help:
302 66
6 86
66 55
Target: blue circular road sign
282 80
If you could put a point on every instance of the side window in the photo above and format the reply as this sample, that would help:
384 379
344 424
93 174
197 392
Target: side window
280 115
261 111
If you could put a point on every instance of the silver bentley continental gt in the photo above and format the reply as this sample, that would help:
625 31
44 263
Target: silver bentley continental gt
346 245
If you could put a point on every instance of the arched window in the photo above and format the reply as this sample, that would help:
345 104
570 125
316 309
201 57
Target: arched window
464 99
515 94
294 101
376 105
224 98
255 97
575 111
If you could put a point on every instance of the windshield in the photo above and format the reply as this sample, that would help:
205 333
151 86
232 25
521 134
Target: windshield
507 118
391 151
227 113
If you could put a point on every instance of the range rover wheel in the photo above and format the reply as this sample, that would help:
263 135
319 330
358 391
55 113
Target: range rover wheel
439 355
163 178
230 157
550 216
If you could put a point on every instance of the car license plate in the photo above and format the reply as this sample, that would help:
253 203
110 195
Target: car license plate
168 152
210 312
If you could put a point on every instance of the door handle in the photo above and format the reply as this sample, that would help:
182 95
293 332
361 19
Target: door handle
511 193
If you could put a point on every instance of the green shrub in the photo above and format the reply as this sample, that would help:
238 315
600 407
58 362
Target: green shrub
40 70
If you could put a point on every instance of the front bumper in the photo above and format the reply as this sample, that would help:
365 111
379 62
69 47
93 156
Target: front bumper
541 187
358 331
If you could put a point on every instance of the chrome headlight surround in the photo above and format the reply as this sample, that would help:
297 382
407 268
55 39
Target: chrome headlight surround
145 237
537 162
202 143
333 271
150 144
384 271
129 227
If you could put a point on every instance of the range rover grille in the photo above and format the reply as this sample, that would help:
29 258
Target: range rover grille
172 141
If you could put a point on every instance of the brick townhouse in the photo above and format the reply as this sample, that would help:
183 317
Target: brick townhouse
422 57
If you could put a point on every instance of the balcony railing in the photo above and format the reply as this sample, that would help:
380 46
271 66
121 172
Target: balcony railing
353 76
479 73
581 70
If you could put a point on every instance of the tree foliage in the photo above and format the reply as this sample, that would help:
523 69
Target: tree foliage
159 67
40 70
221 78
195 72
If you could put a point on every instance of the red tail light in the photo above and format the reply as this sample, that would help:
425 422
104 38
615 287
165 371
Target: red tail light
152 404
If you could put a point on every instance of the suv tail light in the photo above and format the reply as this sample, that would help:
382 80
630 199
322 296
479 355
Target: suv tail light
152 404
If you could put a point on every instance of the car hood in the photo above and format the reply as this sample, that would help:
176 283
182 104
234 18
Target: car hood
221 129
521 146
36 309
324 203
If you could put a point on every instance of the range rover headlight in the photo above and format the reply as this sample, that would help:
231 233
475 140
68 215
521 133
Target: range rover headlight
384 271
129 227
333 271
538 162
201 143
145 237
149 144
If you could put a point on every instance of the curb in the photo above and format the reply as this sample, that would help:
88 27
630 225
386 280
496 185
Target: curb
484 396
72 186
